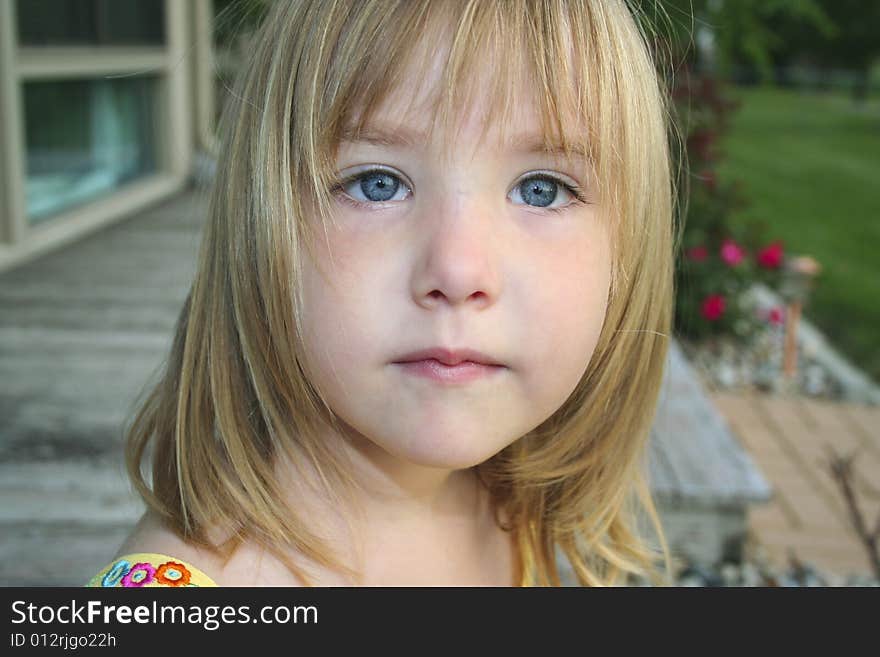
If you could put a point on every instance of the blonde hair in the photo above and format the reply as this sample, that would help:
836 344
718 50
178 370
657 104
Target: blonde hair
236 396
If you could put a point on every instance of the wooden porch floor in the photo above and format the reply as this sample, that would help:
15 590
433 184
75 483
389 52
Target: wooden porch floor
787 439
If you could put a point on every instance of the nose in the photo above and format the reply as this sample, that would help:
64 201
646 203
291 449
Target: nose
458 256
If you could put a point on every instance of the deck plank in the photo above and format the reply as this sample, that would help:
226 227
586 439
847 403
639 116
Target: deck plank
826 419
786 426
865 423
807 515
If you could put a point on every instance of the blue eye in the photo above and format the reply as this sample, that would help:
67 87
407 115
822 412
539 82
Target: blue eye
542 190
372 186
538 191
379 186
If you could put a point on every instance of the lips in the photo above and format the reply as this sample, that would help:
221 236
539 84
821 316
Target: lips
463 373
449 356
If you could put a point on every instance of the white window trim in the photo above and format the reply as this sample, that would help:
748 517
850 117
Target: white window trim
35 63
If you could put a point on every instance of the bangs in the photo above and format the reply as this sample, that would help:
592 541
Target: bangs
505 52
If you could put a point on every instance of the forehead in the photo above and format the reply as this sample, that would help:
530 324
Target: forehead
488 95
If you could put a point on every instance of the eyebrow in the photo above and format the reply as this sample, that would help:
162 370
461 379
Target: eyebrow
404 137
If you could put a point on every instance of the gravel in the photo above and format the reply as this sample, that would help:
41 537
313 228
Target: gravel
723 364
756 570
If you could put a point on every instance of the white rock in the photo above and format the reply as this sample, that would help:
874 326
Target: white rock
725 374
815 379
730 574
750 575
690 581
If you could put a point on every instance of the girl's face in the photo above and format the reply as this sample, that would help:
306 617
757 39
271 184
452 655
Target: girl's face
488 249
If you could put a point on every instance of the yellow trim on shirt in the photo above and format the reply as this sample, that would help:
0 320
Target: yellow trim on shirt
146 569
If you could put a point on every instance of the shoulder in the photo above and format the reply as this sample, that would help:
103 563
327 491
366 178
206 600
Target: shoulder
152 555
152 545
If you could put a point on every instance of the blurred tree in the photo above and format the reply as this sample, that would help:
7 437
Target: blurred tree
851 42
749 32
753 40
743 35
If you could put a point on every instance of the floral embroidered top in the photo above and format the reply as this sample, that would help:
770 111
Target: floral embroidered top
149 569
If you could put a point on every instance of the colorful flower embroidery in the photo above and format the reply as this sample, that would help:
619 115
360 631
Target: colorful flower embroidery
172 573
116 573
149 569
139 575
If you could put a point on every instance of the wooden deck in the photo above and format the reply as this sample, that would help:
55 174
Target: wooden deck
788 440
82 331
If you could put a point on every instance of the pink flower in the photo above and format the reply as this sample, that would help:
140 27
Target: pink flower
713 307
770 257
697 253
731 252
776 315
139 575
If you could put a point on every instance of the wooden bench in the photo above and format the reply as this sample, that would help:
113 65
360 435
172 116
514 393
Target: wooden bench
703 479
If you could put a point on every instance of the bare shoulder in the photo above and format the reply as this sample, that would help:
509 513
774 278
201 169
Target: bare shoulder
248 566
151 535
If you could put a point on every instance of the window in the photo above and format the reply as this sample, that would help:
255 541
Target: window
84 138
90 22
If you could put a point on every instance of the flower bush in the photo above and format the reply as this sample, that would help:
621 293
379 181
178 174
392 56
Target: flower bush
712 279
719 259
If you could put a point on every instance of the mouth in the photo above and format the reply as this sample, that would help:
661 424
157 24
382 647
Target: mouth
450 357
463 372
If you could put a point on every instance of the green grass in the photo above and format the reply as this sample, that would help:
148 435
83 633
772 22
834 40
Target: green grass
810 166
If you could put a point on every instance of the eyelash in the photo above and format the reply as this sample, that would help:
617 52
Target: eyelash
339 189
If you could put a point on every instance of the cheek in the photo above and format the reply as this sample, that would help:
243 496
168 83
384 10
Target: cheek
334 307
568 301
342 302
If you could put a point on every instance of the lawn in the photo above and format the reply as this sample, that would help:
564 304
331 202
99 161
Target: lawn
810 166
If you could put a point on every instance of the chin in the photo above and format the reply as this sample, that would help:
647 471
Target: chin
446 461
455 446
447 453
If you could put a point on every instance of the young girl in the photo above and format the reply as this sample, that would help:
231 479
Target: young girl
429 324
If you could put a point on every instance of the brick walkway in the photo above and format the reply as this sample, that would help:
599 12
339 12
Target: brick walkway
788 440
